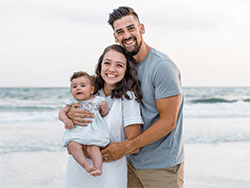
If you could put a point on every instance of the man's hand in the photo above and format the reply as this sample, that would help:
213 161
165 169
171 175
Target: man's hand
77 116
114 151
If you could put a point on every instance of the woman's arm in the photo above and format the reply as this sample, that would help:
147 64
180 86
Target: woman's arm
132 131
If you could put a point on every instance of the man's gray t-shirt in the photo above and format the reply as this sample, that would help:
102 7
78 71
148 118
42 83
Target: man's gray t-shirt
160 78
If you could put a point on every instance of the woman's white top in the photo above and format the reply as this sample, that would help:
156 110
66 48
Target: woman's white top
122 113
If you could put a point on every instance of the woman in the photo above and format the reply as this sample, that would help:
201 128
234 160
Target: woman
116 81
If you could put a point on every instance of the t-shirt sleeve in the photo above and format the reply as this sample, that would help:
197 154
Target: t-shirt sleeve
131 110
166 80
98 100
70 102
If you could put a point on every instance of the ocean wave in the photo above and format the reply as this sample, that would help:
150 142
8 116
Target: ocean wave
220 130
6 117
31 136
42 104
47 136
54 144
238 109
237 137
34 145
246 100
27 108
198 110
213 100
30 146
217 100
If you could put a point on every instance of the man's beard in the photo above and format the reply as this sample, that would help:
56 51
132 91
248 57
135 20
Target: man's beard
135 50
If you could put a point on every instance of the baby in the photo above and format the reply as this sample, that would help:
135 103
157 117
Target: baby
95 134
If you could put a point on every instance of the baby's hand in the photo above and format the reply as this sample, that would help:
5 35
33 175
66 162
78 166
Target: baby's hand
68 124
104 108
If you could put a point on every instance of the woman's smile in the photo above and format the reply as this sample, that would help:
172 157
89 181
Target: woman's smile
111 75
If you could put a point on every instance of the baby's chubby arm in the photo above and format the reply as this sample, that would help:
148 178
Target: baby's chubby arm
68 124
104 108
77 115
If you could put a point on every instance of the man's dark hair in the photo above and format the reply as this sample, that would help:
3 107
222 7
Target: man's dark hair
119 13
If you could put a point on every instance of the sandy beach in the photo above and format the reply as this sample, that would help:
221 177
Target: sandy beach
207 165
32 169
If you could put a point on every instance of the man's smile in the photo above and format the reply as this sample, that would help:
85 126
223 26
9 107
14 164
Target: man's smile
129 42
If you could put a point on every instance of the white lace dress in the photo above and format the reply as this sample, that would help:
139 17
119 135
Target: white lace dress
121 114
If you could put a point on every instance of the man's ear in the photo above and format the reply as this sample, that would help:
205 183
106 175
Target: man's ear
116 40
142 28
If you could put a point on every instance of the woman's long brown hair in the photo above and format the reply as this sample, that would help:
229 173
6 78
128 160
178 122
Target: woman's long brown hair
130 82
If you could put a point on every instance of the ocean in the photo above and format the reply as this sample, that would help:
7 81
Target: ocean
216 137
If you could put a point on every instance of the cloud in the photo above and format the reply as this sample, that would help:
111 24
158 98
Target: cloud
186 15
46 34
79 16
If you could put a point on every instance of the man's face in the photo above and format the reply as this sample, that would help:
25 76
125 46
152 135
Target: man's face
128 32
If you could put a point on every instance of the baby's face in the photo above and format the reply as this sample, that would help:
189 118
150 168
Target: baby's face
81 88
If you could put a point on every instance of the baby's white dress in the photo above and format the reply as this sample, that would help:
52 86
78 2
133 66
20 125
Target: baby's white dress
122 113
96 133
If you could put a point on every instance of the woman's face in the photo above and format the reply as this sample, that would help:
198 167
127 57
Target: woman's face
113 69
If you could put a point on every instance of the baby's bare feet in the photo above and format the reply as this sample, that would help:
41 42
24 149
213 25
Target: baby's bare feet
97 172
89 168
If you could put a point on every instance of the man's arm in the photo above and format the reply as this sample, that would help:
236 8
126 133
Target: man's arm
168 111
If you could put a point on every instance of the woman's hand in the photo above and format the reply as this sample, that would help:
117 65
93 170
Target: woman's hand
77 115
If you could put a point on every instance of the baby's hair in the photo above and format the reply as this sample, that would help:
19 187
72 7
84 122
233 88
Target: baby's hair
85 74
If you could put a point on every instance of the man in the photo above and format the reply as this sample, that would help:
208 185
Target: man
160 161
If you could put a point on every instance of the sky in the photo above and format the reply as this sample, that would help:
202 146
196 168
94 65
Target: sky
42 42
